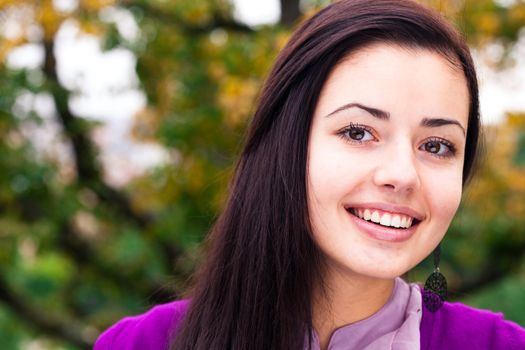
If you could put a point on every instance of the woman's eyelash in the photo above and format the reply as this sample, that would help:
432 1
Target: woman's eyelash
439 147
357 133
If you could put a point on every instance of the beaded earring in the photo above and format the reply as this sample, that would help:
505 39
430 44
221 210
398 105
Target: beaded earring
435 290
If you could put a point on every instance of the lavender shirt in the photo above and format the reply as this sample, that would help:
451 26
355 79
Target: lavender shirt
395 326
454 326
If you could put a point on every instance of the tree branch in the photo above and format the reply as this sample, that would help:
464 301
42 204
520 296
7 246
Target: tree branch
89 175
290 12
84 255
68 330
87 169
486 279
495 270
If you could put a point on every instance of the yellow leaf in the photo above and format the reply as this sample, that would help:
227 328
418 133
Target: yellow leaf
93 28
488 23
145 125
95 5
7 45
236 97
517 14
49 19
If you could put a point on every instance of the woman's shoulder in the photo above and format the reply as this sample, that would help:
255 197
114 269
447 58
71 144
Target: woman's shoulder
458 326
150 330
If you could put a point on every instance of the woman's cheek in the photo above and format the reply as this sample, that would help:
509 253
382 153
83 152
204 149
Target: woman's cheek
445 193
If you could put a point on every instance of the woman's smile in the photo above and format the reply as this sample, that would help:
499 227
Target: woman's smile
393 226
383 218
386 214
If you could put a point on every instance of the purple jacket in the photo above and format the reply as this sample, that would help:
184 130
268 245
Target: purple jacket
454 326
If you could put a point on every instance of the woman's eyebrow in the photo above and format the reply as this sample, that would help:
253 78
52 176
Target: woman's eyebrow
436 122
373 111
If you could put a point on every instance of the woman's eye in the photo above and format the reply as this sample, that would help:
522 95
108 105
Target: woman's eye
440 148
357 133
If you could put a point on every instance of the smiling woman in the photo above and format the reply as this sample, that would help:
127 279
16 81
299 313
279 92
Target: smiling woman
364 137
387 162
390 125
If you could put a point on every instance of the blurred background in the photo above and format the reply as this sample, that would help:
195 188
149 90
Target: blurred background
120 121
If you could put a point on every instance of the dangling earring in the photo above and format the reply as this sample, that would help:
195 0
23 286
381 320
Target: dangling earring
435 290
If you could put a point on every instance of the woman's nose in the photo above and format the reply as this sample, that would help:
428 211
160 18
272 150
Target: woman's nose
397 171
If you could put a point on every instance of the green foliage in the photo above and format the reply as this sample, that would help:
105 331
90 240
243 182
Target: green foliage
505 296
519 156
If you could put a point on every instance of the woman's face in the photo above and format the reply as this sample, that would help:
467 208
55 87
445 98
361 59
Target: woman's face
385 159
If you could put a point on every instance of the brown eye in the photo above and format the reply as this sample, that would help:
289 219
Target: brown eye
433 147
439 148
356 134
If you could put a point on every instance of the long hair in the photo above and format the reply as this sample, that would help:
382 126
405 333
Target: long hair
254 290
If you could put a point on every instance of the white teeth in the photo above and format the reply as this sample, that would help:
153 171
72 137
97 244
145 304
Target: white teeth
385 219
375 217
396 221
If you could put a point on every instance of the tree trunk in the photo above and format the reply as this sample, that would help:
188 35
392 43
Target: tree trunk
290 12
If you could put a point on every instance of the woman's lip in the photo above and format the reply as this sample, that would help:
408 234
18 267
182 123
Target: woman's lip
392 208
383 233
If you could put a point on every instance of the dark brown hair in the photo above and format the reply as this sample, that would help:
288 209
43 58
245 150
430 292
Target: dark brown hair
254 289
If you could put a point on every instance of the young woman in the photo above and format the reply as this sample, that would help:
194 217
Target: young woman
365 134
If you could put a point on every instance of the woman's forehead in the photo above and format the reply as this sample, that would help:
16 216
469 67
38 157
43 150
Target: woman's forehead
398 80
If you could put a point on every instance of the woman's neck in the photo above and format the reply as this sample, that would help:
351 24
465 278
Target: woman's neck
345 300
